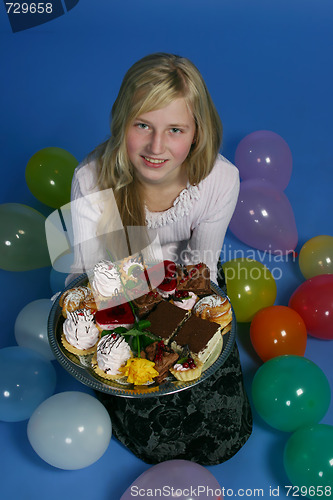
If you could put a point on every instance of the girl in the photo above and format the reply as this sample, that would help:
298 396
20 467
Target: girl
160 170
162 164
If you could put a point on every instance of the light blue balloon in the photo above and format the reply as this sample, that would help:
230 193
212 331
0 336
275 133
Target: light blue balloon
31 327
70 430
57 281
59 272
26 379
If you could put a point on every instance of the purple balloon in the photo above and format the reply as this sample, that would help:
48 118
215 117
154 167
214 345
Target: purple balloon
264 218
180 479
264 155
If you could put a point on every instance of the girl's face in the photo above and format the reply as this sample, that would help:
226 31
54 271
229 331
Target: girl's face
159 141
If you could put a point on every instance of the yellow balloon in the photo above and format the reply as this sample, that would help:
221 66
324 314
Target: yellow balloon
250 285
316 256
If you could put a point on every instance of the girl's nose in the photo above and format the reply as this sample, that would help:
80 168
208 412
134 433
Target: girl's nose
156 145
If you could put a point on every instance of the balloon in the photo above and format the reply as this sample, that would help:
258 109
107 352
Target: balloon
290 391
57 281
49 175
22 238
31 327
26 379
264 155
313 300
251 287
308 460
59 272
175 478
316 256
70 430
263 218
278 330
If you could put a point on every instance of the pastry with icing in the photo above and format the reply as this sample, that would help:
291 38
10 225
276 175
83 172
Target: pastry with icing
80 334
184 299
214 308
106 281
111 354
131 268
73 299
187 369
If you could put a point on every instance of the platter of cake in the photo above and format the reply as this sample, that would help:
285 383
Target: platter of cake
117 333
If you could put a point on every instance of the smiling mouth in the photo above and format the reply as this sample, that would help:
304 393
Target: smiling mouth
154 161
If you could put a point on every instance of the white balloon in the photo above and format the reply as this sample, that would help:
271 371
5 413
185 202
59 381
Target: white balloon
70 430
31 327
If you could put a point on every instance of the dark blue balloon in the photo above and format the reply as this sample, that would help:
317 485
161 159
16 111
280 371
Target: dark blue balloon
26 379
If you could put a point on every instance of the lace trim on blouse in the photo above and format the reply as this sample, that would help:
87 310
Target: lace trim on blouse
181 206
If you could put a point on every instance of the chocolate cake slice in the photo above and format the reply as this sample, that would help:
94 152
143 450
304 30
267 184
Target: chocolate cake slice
201 336
146 303
194 278
165 320
163 357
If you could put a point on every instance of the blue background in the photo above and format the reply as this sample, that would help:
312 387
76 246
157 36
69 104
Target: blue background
268 65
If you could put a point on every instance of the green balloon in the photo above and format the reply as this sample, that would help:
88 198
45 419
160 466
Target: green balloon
290 391
23 245
251 287
308 461
49 175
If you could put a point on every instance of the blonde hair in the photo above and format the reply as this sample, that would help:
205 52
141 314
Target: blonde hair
150 84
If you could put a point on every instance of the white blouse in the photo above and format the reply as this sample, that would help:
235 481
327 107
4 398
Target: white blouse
191 231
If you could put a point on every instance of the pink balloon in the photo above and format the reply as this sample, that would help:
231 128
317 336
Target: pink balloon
176 479
264 155
313 300
264 218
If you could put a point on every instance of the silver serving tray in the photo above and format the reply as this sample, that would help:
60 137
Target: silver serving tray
79 367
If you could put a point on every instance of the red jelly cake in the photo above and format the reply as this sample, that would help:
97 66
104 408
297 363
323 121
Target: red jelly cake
110 318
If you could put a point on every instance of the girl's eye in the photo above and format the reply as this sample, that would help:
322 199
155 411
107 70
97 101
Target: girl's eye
175 130
142 126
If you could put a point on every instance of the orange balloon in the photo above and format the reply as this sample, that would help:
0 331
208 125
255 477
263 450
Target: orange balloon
277 330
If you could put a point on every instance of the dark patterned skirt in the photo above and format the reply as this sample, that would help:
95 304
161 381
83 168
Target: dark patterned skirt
207 423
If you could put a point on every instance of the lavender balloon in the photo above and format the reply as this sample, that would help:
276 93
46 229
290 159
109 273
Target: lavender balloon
264 155
264 218
175 478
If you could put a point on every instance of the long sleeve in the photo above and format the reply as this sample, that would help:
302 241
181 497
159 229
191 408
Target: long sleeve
207 237
90 206
86 212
